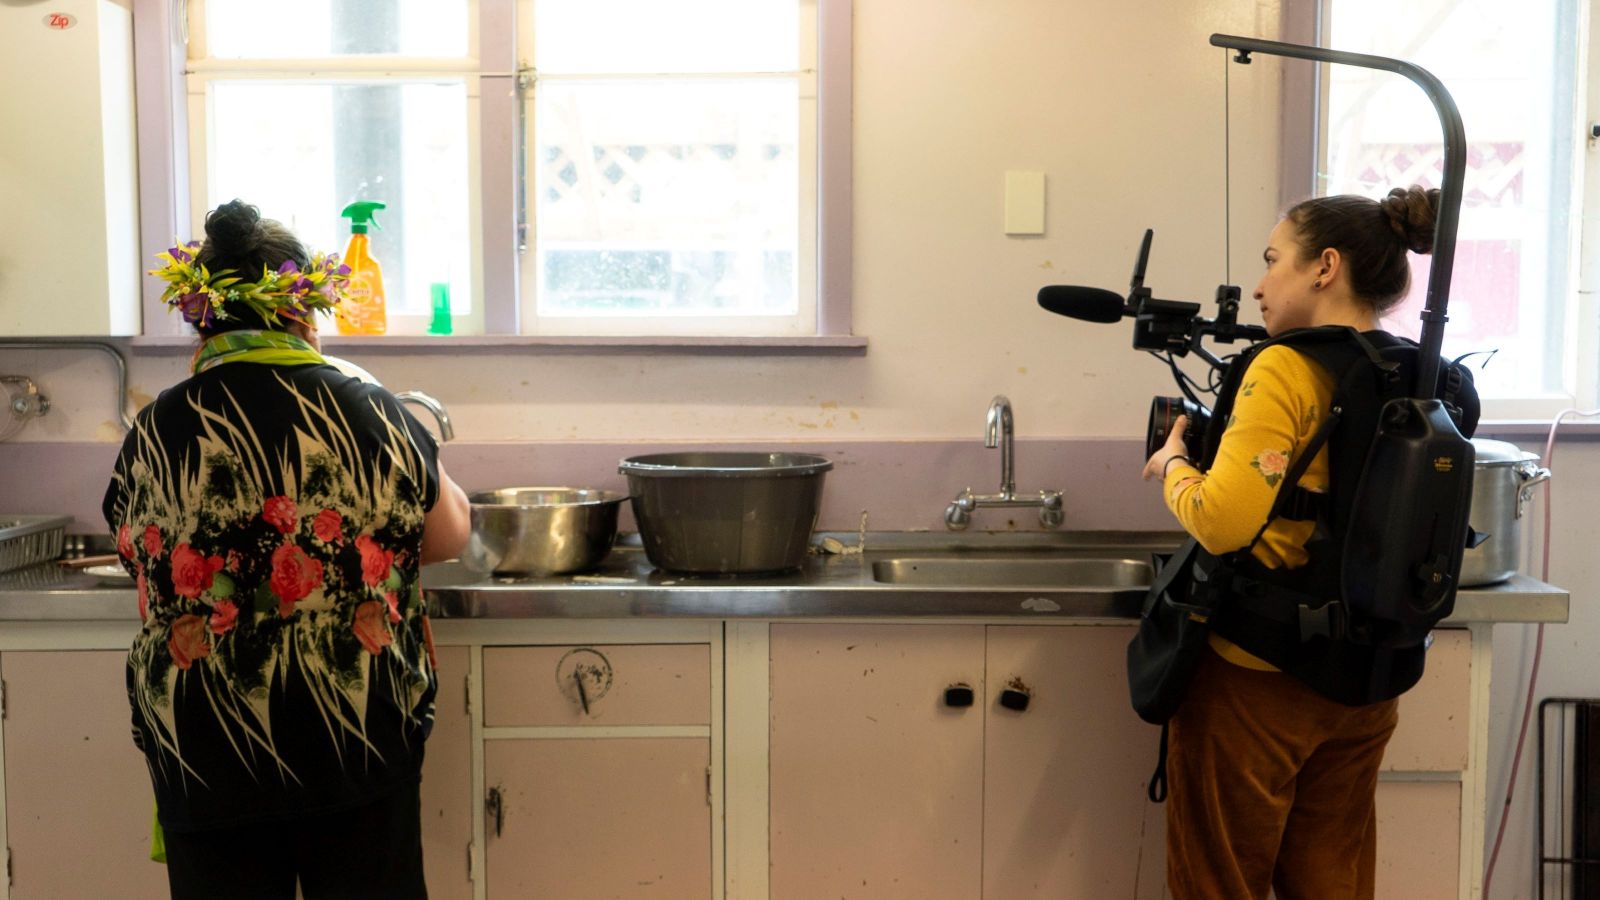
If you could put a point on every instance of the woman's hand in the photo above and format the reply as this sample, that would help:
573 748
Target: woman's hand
1156 465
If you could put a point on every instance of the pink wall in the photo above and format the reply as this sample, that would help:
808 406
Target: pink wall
903 485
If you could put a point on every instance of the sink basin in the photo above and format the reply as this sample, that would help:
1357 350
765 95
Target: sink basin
1014 572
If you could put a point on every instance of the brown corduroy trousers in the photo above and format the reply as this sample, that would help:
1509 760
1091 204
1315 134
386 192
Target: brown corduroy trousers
1271 787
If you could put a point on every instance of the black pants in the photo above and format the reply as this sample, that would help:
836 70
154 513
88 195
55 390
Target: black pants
372 851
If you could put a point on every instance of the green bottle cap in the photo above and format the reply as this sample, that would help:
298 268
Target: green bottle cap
360 215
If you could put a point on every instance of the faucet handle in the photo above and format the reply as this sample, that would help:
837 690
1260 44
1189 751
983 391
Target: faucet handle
1051 514
958 515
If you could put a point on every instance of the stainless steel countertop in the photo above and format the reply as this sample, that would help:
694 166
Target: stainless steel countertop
626 586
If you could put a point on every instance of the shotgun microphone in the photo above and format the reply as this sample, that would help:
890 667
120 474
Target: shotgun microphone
1086 303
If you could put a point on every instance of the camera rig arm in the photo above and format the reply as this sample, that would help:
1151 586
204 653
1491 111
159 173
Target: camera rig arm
1450 191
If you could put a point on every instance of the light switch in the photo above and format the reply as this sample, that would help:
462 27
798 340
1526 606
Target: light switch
1024 203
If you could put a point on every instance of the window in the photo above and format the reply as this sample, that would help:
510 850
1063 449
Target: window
669 167
1515 81
665 173
304 106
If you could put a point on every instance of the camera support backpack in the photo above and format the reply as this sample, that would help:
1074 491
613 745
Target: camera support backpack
1390 531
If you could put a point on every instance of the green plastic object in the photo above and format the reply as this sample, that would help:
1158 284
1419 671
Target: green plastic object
158 838
440 292
360 215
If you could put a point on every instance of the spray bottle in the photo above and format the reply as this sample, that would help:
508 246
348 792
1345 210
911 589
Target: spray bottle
362 311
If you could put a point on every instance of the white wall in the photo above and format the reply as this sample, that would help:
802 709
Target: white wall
1119 103
1569 666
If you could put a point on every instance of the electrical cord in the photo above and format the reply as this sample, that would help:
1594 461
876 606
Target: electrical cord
1538 652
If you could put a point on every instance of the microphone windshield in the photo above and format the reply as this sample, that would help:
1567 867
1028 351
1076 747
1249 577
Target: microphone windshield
1086 303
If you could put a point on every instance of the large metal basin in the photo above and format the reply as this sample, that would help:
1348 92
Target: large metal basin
721 513
1019 572
541 531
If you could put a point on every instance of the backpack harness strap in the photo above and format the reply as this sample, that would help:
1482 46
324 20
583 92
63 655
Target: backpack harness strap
1308 615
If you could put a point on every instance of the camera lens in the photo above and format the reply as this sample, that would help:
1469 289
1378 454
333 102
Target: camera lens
1164 413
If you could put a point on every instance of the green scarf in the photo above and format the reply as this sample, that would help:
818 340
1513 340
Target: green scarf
273 348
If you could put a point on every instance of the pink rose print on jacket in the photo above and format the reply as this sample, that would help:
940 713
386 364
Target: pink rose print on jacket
393 603
125 542
191 571
375 561
1271 464
188 640
223 617
327 526
294 575
144 598
281 513
152 541
370 628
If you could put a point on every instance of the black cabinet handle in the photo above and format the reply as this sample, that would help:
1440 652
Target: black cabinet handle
959 694
1011 698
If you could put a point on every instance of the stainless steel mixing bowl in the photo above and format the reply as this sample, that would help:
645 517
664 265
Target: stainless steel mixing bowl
716 513
541 530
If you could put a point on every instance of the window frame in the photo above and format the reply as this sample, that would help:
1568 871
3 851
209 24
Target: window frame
171 172
1304 151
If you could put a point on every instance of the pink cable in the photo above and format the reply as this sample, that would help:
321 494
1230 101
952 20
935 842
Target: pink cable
1538 652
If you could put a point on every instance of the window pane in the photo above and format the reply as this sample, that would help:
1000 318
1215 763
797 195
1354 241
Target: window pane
637 36
1512 78
293 29
401 143
667 198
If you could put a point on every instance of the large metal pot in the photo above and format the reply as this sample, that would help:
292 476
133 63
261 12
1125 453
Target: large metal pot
541 530
717 513
1503 479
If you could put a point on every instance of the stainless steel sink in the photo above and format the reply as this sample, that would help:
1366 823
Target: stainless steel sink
1008 572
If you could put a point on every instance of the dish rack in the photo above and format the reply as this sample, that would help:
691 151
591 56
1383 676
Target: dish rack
28 540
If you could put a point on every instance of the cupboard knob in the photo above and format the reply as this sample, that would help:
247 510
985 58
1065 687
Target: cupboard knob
959 694
1011 698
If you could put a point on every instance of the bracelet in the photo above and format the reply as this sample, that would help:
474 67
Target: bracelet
1168 464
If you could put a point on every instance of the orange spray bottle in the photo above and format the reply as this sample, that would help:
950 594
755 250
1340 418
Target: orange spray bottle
362 311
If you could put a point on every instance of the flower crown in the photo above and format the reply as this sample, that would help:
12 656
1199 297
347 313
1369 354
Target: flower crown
204 297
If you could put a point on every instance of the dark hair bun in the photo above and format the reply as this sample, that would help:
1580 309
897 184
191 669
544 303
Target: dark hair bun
1413 214
231 227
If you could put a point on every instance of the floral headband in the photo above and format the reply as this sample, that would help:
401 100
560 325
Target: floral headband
289 293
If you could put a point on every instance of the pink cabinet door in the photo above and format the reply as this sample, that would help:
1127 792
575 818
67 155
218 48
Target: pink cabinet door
447 784
1419 840
1065 813
1433 734
78 796
603 817
876 786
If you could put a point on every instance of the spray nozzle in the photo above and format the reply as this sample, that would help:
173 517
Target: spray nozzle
360 215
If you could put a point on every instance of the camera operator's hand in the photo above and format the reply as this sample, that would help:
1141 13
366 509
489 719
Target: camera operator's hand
1156 466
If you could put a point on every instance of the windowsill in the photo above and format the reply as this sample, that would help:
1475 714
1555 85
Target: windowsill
1523 429
817 345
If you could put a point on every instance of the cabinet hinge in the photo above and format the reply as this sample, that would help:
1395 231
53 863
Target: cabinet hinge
467 685
708 786
8 867
472 861
2 698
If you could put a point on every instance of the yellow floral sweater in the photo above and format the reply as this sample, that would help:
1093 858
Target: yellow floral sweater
1283 399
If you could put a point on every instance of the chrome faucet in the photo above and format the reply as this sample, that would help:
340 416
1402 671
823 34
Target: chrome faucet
446 432
999 432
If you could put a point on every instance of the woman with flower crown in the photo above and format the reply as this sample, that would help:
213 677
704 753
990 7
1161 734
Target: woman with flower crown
275 514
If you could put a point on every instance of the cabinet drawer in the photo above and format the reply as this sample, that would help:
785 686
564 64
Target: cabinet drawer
1433 734
623 684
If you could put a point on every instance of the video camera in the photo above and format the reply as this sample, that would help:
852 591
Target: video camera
1166 328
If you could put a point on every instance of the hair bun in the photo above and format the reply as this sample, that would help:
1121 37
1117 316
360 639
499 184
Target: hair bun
1413 215
231 227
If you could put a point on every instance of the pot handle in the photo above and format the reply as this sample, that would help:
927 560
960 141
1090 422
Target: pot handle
1531 476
